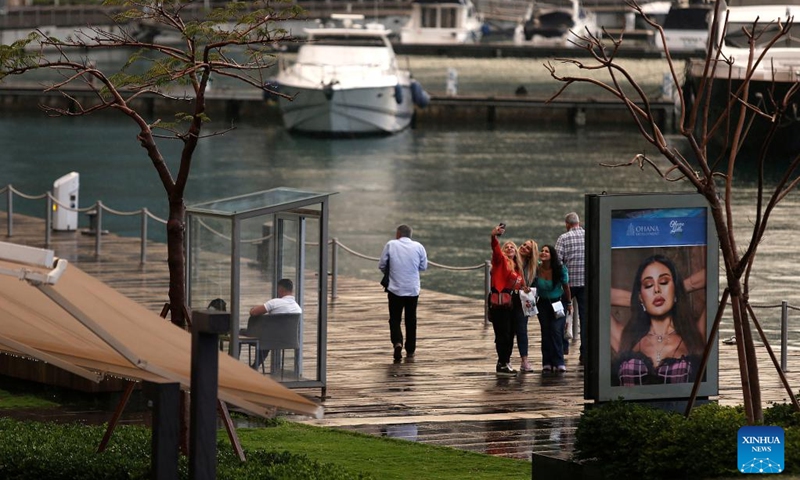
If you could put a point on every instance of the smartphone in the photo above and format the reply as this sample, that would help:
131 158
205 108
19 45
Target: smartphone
501 225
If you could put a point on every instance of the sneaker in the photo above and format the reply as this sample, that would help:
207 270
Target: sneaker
398 351
547 369
730 341
525 367
409 354
505 370
562 368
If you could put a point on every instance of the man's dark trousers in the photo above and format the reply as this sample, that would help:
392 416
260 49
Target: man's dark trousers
396 306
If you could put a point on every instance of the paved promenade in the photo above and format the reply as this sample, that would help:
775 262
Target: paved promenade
448 395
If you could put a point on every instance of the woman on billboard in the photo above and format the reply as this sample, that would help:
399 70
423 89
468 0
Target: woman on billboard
661 343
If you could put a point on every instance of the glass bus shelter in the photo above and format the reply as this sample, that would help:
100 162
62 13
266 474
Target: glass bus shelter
237 250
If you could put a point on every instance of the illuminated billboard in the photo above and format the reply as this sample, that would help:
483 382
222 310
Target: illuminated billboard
652 283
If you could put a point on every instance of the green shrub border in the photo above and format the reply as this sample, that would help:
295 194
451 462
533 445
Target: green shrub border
633 440
35 450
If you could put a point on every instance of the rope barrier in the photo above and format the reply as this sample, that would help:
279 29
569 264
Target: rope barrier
775 306
157 219
67 207
122 214
28 197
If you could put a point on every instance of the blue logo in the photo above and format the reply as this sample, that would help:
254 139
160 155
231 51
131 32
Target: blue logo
761 449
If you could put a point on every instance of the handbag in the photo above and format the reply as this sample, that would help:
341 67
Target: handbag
500 300
385 279
558 309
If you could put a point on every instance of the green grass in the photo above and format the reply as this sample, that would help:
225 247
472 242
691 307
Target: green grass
23 400
382 458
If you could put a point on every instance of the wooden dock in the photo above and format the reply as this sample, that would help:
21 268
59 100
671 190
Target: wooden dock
448 395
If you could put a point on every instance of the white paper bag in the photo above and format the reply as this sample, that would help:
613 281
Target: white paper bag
568 328
528 302
558 309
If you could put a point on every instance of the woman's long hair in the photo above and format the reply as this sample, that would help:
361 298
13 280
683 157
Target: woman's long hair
555 266
515 264
530 264
639 324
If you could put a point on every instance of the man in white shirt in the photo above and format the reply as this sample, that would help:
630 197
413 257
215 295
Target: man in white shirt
284 303
404 258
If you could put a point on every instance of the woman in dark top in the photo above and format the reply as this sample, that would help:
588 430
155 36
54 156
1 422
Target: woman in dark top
661 343
506 277
552 283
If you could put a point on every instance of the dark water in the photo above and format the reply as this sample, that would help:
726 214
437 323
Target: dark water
451 186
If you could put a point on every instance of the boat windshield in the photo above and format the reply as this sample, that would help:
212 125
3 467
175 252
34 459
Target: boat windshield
348 41
765 32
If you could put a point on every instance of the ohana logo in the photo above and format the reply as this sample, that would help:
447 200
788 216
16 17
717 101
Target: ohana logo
761 450
642 230
676 227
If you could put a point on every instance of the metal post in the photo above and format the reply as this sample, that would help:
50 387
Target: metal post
48 220
334 266
10 209
784 333
487 287
206 328
99 232
143 255
165 430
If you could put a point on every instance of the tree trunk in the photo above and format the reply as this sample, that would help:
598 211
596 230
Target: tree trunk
176 259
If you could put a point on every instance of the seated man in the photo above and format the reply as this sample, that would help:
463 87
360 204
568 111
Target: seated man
285 303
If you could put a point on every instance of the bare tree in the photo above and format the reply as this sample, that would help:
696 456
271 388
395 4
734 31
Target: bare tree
708 169
235 41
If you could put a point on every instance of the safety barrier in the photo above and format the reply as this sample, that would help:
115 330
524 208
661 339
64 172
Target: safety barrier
95 212
96 217
336 245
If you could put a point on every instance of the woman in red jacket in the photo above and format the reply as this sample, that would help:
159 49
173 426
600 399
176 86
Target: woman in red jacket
506 277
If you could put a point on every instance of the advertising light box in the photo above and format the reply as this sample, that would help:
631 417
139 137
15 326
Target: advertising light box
652 282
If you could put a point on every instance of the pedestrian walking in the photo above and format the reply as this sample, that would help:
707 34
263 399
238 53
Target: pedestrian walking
404 259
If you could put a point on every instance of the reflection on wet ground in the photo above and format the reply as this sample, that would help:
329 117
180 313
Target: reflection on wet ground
517 438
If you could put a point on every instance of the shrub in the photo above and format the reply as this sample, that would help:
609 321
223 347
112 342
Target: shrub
34 450
632 440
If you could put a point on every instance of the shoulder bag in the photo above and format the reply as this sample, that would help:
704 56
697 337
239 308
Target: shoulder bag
385 279
500 300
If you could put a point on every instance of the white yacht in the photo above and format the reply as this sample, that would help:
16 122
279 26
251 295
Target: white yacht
686 28
346 81
442 22
775 76
556 23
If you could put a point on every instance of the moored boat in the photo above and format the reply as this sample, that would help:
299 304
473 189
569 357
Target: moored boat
346 81
437 22
558 23
770 81
686 28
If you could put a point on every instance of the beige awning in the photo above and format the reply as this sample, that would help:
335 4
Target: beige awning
84 326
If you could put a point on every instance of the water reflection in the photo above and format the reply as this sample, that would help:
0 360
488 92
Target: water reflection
450 185
403 431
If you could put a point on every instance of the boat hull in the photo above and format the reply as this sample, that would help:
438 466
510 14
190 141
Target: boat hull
786 141
373 110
